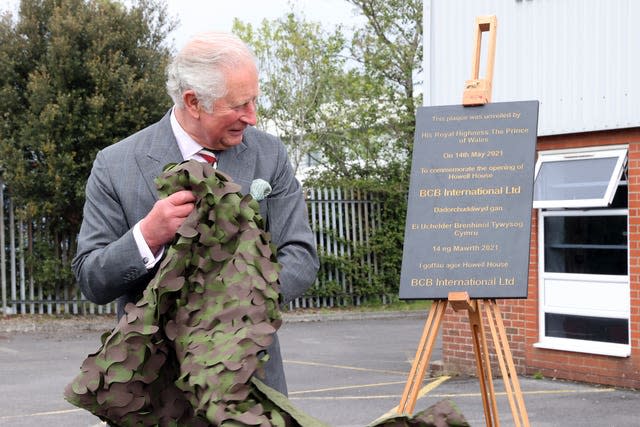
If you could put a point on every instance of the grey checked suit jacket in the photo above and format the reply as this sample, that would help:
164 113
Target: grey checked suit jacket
121 191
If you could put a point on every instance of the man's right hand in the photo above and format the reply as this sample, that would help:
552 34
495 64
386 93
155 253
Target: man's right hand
167 215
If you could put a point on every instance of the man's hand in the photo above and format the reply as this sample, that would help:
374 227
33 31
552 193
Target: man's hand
161 224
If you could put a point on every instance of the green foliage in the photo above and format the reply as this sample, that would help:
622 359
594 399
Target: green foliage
355 116
76 76
384 246
349 104
79 75
390 48
354 113
368 140
355 138
46 263
299 63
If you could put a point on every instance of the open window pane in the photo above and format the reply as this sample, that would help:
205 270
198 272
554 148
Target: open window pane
577 180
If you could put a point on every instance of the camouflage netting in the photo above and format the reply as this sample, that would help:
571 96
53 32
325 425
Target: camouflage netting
445 413
187 352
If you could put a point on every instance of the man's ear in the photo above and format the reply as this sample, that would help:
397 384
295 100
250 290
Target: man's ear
191 103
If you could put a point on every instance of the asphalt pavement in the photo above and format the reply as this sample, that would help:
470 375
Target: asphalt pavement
345 369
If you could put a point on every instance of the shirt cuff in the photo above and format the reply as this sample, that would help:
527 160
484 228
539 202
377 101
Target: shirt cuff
145 253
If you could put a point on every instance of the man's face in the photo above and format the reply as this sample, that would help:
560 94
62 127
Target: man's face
225 125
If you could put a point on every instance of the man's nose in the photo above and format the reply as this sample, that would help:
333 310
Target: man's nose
249 114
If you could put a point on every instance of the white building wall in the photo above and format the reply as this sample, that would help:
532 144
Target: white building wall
579 58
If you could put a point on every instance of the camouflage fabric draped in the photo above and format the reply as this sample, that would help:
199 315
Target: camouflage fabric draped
185 353
188 352
444 413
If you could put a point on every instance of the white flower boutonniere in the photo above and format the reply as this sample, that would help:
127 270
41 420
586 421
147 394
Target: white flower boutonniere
260 189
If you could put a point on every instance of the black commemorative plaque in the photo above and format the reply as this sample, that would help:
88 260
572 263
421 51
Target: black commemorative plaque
470 200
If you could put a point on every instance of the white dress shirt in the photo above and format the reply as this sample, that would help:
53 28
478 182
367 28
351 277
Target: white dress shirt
189 149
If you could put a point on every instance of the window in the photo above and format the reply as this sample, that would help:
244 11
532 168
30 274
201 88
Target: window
583 265
586 244
577 179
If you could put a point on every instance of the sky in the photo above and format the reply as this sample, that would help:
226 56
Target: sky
204 15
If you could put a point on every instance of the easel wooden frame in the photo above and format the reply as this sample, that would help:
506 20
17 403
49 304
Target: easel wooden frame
477 92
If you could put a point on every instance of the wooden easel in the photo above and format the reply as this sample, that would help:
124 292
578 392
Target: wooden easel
477 92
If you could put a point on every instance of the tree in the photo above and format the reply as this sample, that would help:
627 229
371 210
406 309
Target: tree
389 50
389 46
358 116
76 76
318 104
298 64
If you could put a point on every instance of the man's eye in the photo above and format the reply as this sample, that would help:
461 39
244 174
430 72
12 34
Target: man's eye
250 103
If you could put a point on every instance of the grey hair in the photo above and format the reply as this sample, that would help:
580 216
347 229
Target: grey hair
201 65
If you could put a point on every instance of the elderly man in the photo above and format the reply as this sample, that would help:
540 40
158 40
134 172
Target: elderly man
213 82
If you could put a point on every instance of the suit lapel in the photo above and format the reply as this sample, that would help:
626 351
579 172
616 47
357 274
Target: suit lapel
157 151
239 163
161 148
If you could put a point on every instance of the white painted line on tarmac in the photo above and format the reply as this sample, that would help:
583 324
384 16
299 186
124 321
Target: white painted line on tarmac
41 414
423 391
295 396
347 387
8 350
353 368
531 393
367 397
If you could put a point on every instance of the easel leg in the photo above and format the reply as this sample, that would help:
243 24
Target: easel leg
507 367
483 366
423 354
461 301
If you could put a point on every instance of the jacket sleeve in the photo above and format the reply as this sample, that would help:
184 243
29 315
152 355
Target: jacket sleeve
107 264
288 223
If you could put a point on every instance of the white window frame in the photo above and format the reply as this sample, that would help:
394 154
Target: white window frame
598 153
594 289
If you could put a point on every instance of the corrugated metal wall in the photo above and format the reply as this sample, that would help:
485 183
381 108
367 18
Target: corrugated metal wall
579 58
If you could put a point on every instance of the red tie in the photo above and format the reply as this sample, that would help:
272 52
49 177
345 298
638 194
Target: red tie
208 156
